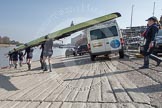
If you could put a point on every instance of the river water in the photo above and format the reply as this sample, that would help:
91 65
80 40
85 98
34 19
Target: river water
4 50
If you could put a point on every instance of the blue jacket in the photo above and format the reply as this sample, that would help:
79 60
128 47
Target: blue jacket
151 33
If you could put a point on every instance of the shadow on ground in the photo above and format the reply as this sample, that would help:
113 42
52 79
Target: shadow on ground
82 60
99 75
145 89
73 62
6 84
75 57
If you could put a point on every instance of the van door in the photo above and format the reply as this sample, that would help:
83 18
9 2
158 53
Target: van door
112 40
97 41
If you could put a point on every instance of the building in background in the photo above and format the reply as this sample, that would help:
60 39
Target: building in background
133 31
79 40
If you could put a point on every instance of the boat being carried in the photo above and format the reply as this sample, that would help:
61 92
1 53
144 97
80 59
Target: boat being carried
68 31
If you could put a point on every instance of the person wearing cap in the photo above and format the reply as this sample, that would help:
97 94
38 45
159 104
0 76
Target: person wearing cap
47 53
149 36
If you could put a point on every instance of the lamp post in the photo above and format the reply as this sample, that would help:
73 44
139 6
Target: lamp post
131 19
154 9
132 16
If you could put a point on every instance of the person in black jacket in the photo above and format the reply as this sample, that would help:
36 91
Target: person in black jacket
29 52
47 53
149 36
21 55
10 59
41 56
15 58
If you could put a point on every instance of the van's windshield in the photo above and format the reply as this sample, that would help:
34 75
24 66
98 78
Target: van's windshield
103 33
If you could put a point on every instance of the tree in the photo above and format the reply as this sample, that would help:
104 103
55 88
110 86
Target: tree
5 40
0 40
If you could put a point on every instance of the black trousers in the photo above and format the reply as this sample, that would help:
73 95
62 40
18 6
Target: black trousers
148 55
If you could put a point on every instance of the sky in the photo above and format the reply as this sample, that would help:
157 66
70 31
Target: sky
25 20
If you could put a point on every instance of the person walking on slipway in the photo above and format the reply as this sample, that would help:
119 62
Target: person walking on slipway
29 53
47 53
15 58
10 59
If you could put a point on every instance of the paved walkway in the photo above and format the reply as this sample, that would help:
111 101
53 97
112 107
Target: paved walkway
76 82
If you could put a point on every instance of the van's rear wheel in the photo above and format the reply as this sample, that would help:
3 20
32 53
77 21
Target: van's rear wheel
93 57
121 54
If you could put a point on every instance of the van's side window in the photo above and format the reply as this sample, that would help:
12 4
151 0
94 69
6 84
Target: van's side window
103 33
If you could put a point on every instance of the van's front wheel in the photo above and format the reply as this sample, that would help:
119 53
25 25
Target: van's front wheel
93 57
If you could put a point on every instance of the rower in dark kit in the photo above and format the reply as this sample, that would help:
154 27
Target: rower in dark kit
21 56
29 53
47 53
41 56
15 58
10 59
